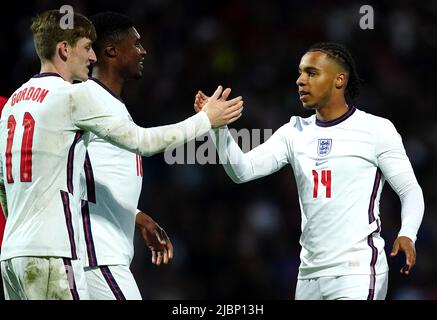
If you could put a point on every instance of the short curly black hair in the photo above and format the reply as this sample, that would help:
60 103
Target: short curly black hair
110 26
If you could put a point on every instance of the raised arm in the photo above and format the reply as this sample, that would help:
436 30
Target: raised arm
88 113
241 167
261 161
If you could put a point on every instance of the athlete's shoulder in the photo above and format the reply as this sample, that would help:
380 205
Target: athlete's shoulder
103 91
299 123
44 85
95 86
372 121
88 83
83 90
87 97
38 89
48 80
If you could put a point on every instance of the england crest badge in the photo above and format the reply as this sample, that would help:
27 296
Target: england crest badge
324 147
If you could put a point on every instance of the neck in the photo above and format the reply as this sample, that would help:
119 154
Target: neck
332 110
110 78
61 69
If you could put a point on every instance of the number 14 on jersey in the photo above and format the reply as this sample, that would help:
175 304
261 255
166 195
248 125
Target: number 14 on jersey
325 179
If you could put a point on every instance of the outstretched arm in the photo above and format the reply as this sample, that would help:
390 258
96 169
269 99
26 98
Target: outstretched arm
88 113
261 161
241 167
155 238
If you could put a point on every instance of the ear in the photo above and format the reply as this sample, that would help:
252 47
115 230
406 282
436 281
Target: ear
341 80
62 50
110 51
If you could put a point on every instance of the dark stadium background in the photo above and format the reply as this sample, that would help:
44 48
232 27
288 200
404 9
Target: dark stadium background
242 241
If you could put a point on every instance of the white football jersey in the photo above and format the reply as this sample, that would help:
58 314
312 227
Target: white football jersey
41 149
112 178
340 168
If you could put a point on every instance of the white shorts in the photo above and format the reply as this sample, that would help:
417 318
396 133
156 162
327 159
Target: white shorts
112 283
347 287
43 278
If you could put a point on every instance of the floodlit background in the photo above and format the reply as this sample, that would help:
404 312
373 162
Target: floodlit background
242 241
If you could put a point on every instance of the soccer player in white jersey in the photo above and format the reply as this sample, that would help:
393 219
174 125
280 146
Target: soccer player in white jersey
110 212
44 130
341 157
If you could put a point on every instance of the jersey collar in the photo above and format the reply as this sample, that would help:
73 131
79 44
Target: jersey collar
46 74
340 119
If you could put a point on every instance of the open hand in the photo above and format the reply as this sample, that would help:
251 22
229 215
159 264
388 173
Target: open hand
406 245
220 111
156 239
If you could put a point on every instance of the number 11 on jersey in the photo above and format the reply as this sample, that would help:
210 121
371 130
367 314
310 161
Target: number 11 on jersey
26 148
325 180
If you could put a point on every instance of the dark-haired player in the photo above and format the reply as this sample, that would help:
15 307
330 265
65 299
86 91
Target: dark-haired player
113 177
341 157
44 130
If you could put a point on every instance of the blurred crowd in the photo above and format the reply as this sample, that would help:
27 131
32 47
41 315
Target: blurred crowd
242 241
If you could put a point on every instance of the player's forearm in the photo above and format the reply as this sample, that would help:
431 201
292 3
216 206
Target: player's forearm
159 139
413 207
146 141
241 167
412 203
142 220
90 114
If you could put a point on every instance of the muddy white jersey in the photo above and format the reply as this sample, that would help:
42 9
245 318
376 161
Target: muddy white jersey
340 168
112 178
41 149
42 146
